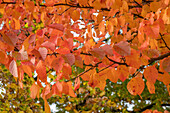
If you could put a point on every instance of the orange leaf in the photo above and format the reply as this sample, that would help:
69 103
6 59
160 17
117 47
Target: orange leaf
3 57
17 24
151 74
78 61
41 71
75 15
55 90
29 5
13 68
123 72
27 69
86 76
136 86
77 84
113 76
57 64
122 48
134 59
34 90
165 78
67 71
101 85
65 88
166 64
102 27
71 91
151 87
59 86
47 107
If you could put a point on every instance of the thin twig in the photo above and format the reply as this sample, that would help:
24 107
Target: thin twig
105 68
164 41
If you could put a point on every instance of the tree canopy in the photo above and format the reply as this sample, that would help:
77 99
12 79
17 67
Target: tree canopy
85 55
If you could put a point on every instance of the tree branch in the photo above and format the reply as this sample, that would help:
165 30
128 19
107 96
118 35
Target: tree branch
164 41
105 68
150 106
83 72
159 58
116 61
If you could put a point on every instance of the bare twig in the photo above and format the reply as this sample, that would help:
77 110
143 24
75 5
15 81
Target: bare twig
164 41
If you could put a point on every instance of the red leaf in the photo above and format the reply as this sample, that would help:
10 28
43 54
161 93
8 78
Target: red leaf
13 68
49 45
43 52
98 52
59 27
69 58
122 48
108 49
41 71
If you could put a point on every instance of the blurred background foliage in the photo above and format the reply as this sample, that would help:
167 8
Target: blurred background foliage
115 97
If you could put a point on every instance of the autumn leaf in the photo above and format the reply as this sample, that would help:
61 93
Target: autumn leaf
49 45
151 87
69 58
41 71
4 58
47 107
34 90
113 75
122 48
107 49
166 64
13 68
98 52
136 86
10 38
151 74
43 52
27 69
77 84
57 64
57 26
